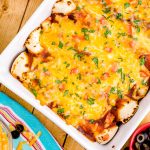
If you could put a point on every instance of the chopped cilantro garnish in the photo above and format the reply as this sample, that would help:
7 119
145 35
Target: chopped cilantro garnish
95 60
84 30
91 31
122 77
91 121
121 34
78 8
122 74
90 101
83 112
67 116
45 69
97 21
77 94
119 16
60 111
107 32
60 45
139 2
53 43
107 10
66 92
112 90
119 93
144 82
126 5
34 92
99 81
119 70
86 36
136 22
65 79
71 48
78 55
39 82
58 81
85 48
138 29
67 64
81 106
142 61
131 80
79 76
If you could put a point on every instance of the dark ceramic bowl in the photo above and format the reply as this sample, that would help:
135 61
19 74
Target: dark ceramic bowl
136 132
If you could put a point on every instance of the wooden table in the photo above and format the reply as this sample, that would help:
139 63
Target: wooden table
13 15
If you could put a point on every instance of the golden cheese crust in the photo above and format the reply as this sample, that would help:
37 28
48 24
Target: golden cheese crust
90 63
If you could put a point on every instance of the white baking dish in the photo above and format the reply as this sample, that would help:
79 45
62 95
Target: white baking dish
16 46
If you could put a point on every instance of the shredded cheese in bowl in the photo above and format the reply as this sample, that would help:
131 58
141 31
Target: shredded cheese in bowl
5 137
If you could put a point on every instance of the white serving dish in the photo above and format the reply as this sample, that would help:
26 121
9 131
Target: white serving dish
16 46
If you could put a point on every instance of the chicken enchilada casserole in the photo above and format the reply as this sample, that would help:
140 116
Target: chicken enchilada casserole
90 63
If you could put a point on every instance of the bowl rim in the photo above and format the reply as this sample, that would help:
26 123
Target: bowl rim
137 131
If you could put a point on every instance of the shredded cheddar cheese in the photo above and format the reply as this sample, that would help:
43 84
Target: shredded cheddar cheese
4 141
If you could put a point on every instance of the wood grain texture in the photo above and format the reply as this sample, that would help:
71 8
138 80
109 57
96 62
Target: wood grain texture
31 7
19 100
2 88
11 12
71 144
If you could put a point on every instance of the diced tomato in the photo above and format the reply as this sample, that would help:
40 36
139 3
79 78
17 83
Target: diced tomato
108 89
74 71
132 44
80 15
105 76
103 95
114 67
105 137
108 49
94 80
62 87
129 29
78 38
85 96
47 73
144 74
102 21
108 2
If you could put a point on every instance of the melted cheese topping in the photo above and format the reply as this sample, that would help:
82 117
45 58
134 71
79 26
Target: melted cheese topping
94 58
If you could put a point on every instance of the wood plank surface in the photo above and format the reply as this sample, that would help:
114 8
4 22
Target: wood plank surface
13 15
31 7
